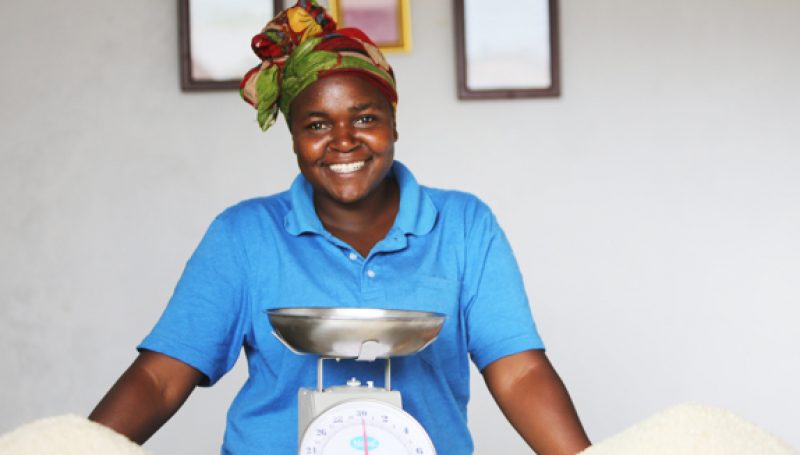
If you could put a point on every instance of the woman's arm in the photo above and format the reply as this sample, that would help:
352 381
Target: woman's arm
146 395
535 401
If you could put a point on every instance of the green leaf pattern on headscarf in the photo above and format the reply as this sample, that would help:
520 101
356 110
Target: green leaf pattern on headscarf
355 62
302 69
267 90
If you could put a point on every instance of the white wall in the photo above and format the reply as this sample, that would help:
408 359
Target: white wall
654 207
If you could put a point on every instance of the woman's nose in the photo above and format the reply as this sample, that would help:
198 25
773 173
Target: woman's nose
343 140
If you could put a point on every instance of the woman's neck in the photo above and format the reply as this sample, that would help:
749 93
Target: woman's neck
364 223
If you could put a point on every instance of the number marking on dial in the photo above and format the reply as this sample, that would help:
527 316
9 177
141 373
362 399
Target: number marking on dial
363 427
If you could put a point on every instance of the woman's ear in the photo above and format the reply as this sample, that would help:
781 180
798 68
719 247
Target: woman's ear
394 124
291 132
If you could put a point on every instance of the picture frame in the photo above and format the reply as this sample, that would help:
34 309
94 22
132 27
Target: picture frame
386 22
214 39
503 54
289 3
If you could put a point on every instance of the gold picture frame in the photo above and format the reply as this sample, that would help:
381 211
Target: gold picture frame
387 22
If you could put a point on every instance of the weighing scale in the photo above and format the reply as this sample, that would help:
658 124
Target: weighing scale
356 417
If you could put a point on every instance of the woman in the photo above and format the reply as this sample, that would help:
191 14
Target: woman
355 229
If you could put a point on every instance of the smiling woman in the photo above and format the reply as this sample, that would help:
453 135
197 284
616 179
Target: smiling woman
354 230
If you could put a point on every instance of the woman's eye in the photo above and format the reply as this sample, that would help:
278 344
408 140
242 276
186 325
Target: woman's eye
315 126
365 119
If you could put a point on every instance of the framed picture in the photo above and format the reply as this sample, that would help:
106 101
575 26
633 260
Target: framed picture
289 3
387 22
507 54
215 40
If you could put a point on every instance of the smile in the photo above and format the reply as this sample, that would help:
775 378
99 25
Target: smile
346 168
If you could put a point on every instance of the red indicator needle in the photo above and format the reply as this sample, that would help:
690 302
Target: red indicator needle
364 436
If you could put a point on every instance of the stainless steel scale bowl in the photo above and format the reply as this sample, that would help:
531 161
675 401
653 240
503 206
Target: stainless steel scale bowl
355 333
354 416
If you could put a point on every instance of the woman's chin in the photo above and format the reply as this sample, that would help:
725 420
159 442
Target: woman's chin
349 198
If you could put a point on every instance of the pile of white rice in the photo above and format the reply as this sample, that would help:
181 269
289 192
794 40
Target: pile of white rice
681 430
692 429
67 435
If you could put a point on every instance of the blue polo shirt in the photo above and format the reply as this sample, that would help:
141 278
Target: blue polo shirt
445 253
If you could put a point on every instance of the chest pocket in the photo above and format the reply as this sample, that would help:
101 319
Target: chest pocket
437 295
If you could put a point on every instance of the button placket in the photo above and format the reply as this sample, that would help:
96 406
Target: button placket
369 272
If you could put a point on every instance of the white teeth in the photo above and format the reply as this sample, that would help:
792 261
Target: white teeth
345 168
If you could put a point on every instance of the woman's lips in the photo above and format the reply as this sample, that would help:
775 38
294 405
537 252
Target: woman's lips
346 168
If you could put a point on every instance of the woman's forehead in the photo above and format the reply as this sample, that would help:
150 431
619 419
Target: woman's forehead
343 91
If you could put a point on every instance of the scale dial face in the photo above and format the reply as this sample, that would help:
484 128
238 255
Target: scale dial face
363 427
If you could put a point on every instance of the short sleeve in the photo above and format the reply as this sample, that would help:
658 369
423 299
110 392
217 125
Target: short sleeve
497 312
203 322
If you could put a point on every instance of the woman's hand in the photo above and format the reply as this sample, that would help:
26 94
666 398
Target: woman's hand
146 395
535 401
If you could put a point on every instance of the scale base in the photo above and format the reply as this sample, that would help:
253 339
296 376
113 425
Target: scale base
311 403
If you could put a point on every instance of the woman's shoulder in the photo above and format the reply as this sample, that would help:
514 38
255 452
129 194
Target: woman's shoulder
257 210
450 201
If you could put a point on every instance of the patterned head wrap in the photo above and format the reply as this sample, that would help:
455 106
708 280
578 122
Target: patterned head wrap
300 45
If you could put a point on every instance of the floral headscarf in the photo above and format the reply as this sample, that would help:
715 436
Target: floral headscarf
300 45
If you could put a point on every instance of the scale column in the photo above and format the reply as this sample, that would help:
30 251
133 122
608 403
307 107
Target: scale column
388 373
319 373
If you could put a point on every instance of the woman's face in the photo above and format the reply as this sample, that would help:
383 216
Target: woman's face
343 133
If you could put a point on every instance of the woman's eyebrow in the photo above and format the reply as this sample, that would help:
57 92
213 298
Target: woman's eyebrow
361 107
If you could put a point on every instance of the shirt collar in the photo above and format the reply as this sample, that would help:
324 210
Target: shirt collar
416 216
417 213
302 217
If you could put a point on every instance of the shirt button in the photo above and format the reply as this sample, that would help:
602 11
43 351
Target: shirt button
353 256
371 273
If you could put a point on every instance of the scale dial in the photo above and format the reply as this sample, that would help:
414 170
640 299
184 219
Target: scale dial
363 427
